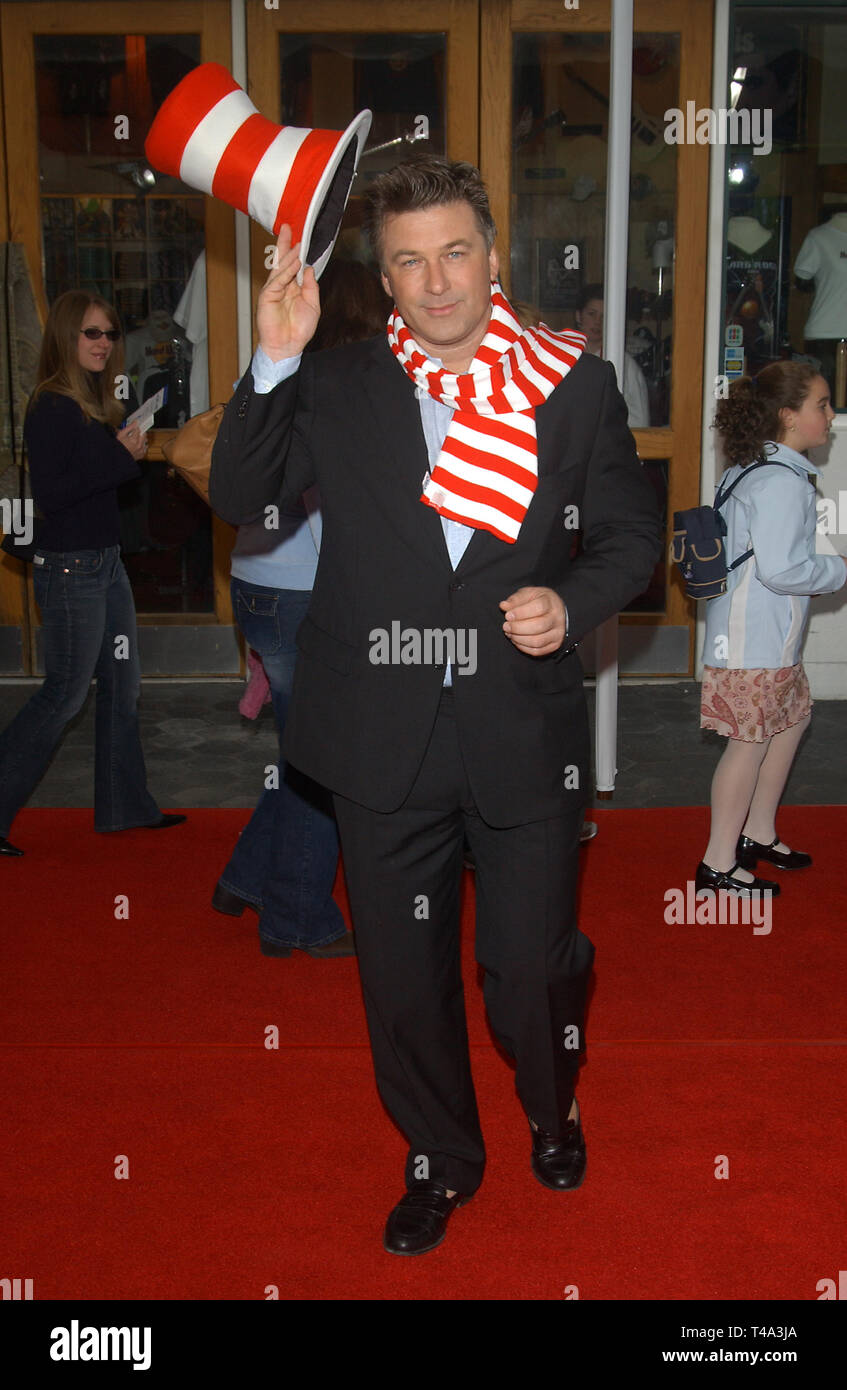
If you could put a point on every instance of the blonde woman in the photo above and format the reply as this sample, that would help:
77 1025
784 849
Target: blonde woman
78 457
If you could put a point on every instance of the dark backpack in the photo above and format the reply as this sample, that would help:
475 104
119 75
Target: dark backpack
697 548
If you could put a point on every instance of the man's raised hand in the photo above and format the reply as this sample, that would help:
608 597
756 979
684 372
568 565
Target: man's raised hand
287 313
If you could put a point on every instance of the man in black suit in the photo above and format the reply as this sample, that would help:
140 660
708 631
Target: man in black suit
436 690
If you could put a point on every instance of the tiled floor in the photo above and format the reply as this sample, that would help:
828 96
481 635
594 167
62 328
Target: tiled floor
201 752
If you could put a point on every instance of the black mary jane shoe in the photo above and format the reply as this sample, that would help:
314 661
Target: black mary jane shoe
6 847
716 878
165 821
419 1221
749 851
559 1163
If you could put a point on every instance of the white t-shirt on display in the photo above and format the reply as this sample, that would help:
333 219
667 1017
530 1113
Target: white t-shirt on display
633 388
190 314
823 256
149 350
634 392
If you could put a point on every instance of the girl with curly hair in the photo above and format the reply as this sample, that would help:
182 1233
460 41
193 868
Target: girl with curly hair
755 690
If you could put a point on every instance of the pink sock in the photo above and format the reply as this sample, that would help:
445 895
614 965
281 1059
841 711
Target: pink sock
258 691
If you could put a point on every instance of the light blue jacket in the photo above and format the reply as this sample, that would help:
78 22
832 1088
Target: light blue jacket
761 619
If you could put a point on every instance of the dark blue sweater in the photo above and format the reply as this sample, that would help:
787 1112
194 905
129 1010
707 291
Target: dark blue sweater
76 467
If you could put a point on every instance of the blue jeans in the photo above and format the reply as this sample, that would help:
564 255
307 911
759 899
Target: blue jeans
89 629
287 854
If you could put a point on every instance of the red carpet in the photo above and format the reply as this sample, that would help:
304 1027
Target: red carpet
250 1167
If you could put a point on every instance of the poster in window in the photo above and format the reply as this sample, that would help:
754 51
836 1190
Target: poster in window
758 276
558 272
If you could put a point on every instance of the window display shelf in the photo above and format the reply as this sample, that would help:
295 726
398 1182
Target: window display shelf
136 252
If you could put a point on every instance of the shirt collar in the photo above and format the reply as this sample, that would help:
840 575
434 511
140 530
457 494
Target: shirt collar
783 453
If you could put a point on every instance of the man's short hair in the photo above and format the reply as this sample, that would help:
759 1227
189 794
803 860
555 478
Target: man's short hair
425 181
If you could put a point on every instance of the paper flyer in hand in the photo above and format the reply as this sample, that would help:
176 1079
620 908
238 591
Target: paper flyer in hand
143 416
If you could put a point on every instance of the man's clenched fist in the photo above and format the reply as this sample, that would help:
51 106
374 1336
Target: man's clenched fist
536 620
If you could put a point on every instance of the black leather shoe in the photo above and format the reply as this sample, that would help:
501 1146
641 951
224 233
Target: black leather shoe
164 822
715 878
229 903
343 946
10 849
559 1163
748 852
419 1221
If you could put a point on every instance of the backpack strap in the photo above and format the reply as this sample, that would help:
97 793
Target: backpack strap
721 497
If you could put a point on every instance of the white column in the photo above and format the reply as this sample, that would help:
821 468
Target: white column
711 465
243 310
614 338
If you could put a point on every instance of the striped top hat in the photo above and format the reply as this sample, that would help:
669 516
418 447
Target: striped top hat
209 134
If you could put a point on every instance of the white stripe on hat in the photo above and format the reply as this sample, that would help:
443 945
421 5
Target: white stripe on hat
271 174
214 132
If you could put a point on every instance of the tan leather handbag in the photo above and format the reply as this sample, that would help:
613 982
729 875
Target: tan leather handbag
189 451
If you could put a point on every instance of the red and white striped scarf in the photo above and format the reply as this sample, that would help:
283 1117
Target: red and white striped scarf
487 470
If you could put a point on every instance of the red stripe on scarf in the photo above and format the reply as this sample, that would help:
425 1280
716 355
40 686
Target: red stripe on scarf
496 428
549 373
569 358
485 496
477 525
491 463
488 402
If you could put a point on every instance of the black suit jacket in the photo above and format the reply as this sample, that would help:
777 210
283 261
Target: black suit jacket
350 421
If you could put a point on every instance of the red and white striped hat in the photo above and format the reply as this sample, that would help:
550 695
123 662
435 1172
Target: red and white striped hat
209 134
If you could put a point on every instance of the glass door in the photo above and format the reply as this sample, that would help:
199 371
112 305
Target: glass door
80 97
543 151
413 65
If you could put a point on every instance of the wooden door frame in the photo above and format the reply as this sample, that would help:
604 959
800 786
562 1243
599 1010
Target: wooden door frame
211 20
459 19
13 588
680 441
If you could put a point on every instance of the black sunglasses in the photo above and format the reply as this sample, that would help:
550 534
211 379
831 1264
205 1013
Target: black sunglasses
94 333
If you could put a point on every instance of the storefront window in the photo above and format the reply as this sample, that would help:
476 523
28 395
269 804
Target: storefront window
112 225
785 284
399 77
560 147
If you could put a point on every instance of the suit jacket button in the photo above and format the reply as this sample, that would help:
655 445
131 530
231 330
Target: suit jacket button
456 584
242 408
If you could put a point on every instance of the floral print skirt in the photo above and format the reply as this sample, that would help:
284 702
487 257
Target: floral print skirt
753 705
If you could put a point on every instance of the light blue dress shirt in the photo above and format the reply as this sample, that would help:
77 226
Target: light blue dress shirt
284 556
435 421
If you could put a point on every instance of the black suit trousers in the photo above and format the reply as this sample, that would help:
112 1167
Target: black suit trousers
403 871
